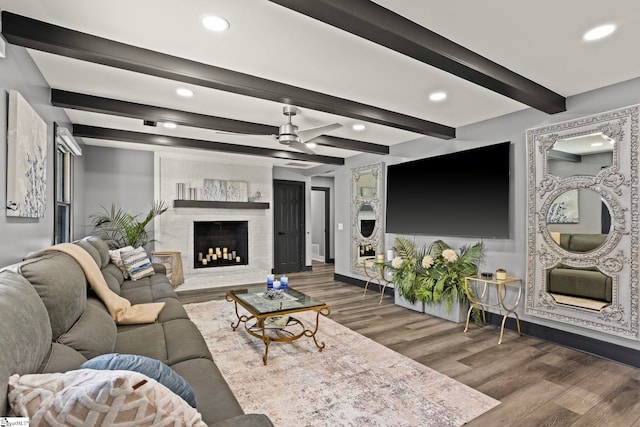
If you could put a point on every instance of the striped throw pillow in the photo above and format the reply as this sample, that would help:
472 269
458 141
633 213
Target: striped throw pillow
137 264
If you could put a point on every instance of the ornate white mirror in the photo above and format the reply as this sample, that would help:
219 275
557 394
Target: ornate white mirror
366 214
582 252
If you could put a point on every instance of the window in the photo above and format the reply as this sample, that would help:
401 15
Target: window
66 149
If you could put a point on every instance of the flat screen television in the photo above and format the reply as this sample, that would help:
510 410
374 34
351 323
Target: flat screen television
462 194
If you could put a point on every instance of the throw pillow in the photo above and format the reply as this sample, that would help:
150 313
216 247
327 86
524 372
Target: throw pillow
145 365
116 258
137 264
90 397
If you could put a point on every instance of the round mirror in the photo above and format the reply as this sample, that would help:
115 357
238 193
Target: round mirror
366 185
578 220
366 220
583 155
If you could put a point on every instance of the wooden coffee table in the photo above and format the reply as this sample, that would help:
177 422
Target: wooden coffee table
271 320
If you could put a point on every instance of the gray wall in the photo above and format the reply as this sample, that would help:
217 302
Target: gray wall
19 236
509 253
123 177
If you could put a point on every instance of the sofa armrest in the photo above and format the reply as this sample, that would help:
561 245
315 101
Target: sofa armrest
159 268
248 420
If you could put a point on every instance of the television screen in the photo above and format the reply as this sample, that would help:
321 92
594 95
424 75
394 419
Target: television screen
462 194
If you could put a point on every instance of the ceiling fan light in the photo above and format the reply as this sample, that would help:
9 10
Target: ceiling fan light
358 127
170 125
311 144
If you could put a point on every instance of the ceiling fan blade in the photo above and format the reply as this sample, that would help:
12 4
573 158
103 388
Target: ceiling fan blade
309 134
302 147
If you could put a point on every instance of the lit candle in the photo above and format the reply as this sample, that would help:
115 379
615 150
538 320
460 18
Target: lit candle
208 258
230 257
237 259
210 251
380 257
204 261
199 256
214 257
224 250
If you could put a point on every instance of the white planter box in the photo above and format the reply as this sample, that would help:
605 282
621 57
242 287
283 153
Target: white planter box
458 312
402 302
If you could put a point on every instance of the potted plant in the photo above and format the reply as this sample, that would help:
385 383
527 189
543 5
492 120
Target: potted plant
119 228
435 275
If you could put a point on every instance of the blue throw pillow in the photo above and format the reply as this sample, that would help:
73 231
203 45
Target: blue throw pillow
152 368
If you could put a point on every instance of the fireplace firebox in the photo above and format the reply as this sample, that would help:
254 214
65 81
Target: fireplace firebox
220 243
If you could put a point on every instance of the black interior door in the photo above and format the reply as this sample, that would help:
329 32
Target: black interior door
289 226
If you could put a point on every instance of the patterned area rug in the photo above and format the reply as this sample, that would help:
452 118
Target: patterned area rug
354 381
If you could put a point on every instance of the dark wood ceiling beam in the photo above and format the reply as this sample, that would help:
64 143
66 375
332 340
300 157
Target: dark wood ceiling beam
58 40
97 104
375 23
85 131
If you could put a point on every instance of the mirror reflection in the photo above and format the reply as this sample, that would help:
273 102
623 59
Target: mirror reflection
584 287
584 155
366 220
366 185
578 220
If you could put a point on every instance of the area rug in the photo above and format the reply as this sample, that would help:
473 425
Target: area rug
354 381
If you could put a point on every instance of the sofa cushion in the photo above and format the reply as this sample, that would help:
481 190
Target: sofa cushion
94 333
102 248
170 342
84 244
148 289
137 263
62 286
215 399
90 397
150 367
25 340
114 277
580 283
62 358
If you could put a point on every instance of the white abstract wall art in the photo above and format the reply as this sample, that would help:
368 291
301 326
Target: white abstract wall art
237 191
26 160
214 189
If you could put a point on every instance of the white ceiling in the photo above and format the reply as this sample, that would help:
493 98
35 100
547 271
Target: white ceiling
540 40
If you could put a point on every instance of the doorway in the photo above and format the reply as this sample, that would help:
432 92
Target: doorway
288 226
321 223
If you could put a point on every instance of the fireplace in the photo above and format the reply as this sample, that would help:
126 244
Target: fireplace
220 243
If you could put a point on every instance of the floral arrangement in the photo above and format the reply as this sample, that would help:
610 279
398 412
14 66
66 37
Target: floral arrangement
435 274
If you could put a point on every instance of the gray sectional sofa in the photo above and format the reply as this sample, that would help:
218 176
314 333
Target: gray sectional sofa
51 321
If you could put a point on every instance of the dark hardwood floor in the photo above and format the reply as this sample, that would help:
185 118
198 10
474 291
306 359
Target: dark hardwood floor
538 383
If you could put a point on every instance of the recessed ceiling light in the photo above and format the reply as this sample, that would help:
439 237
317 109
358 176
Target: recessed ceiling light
599 32
438 96
183 91
170 125
311 144
215 23
358 126
596 144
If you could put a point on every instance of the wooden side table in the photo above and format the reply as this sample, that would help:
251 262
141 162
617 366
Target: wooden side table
172 261
482 300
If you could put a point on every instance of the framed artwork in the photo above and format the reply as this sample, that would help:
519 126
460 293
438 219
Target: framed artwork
214 189
26 160
565 209
237 191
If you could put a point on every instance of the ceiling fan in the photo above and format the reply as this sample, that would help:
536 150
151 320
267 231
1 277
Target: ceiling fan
288 133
